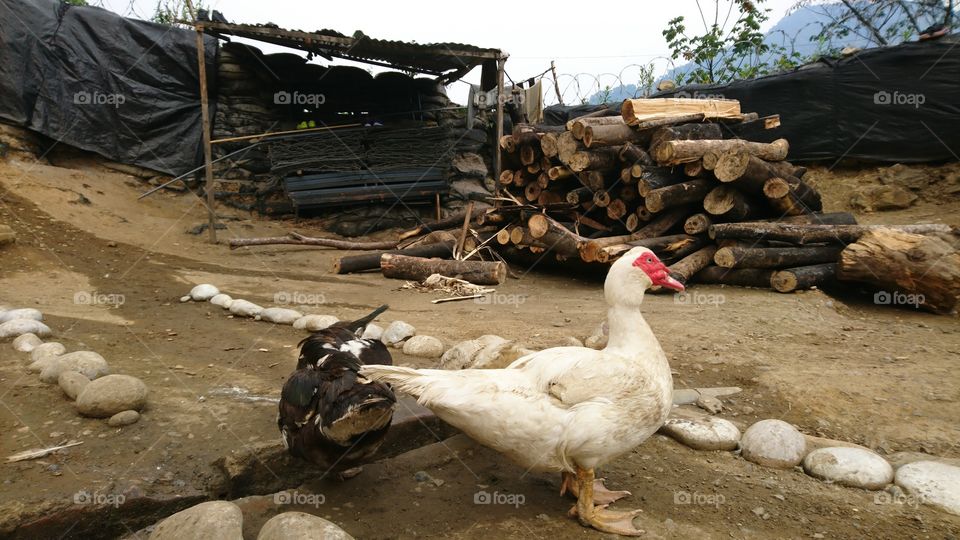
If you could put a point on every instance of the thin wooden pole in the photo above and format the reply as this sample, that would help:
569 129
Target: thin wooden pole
458 251
207 150
497 165
556 85
275 133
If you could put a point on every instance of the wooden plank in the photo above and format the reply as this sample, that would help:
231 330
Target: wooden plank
640 110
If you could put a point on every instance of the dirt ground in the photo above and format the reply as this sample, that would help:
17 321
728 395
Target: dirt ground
834 364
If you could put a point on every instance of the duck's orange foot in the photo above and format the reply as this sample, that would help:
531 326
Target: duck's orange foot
609 521
601 495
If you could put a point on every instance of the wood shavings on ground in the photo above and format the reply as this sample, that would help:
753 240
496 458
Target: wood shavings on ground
456 289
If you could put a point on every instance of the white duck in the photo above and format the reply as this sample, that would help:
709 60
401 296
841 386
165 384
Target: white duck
566 409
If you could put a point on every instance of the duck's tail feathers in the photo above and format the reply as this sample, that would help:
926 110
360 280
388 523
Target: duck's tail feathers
407 380
360 324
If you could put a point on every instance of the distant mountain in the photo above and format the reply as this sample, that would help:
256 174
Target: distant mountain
797 31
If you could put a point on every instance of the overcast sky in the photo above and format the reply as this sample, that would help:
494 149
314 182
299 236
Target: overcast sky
607 40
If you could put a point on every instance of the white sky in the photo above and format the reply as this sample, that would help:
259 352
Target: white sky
603 40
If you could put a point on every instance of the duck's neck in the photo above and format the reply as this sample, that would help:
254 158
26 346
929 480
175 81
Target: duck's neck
630 335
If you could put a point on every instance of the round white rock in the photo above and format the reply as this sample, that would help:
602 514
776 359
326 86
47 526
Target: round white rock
709 433
461 355
279 315
109 395
213 520
19 327
372 331
300 526
43 353
244 308
773 443
72 383
203 292
222 300
396 332
852 467
22 313
314 323
423 347
89 363
933 483
26 342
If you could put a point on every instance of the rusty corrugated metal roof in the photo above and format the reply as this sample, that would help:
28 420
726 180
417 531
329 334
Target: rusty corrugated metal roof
449 59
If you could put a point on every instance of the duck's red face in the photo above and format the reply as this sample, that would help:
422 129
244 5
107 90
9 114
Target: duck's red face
657 271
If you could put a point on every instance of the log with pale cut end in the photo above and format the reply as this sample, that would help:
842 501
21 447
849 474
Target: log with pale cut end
687 267
677 152
731 165
632 222
665 247
601 198
558 173
613 135
532 191
803 277
595 114
744 277
528 154
709 160
503 236
567 146
656 227
776 257
371 261
519 179
506 177
751 176
517 234
548 144
625 176
634 155
579 195
798 233
582 125
594 180
534 168
693 169
543 180
697 224
418 269
727 201
538 225
676 195
795 193
508 144
562 244
616 209
634 111
908 268
656 178
596 159
686 132
762 129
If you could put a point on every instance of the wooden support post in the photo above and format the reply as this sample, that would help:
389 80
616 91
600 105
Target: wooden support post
556 84
207 151
496 151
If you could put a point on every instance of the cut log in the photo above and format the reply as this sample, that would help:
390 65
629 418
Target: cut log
639 110
579 195
796 233
669 120
596 159
508 144
683 193
601 198
656 178
776 257
803 277
594 180
919 271
762 129
548 197
725 200
697 224
796 192
745 277
693 169
558 173
632 222
418 269
582 125
548 144
731 165
686 132
506 177
532 191
543 180
656 227
528 154
687 267
567 146
709 160
662 246
616 209
371 261
831 218
613 135
677 152
606 111
301 240
632 154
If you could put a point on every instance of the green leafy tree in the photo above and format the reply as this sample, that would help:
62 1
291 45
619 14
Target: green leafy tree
881 22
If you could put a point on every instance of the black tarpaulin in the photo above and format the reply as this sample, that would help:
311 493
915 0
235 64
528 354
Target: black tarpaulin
895 104
123 88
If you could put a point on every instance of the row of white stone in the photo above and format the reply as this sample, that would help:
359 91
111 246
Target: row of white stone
778 444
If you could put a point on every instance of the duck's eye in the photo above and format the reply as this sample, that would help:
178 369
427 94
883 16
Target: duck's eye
649 260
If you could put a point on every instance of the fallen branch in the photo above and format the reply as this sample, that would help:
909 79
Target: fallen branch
298 239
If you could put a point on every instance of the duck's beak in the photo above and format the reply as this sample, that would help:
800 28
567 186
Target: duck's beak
669 282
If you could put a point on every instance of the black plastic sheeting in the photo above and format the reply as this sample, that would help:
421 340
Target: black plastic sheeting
894 104
87 77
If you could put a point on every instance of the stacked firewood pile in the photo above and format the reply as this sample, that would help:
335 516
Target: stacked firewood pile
700 183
